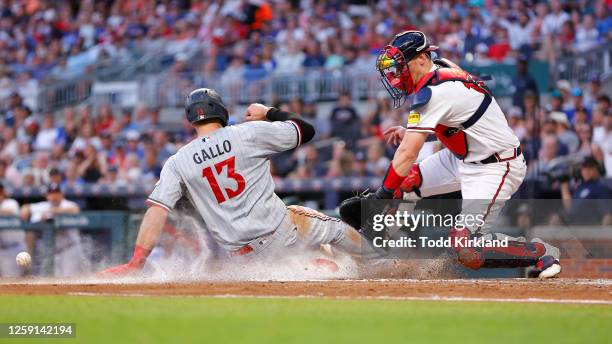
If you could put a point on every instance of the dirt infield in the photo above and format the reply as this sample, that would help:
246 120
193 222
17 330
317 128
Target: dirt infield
559 290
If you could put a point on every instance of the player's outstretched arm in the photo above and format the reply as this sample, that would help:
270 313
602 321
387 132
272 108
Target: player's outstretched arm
260 112
408 151
148 234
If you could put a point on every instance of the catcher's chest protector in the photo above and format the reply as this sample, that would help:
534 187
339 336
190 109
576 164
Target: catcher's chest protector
454 138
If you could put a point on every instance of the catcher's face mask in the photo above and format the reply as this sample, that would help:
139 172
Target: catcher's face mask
395 75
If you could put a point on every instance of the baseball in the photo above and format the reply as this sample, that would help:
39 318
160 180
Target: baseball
23 259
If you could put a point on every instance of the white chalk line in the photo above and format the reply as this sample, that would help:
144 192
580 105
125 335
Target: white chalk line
556 281
395 298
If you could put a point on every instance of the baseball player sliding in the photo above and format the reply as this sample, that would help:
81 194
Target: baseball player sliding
225 173
483 158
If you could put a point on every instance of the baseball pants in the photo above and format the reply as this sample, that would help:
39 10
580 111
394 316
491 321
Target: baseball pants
303 229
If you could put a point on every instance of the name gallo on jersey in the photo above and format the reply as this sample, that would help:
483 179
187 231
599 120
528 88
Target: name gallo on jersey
212 152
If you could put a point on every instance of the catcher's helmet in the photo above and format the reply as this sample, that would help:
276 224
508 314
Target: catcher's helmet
392 63
203 104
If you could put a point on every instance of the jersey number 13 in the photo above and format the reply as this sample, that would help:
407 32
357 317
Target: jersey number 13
230 173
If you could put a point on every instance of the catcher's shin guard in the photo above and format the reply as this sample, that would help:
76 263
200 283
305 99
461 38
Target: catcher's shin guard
517 254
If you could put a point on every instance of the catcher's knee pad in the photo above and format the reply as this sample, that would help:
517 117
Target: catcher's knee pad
516 254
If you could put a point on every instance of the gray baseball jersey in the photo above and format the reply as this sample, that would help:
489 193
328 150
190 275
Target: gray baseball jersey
226 175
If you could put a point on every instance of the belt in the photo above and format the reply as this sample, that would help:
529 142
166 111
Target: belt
496 158
246 249
253 248
255 245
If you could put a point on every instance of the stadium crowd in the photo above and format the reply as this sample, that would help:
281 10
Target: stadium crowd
55 40
41 41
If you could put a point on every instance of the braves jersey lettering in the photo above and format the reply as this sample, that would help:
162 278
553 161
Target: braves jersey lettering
226 176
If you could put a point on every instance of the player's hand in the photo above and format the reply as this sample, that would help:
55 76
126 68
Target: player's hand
394 135
119 271
256 112
133 266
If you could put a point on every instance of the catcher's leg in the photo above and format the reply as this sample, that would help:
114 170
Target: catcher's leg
485 189
315 229
437 174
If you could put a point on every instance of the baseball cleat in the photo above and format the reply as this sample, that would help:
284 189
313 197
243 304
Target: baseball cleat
548 267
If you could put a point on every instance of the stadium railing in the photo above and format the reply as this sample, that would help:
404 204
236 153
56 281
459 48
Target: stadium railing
115 223
583 66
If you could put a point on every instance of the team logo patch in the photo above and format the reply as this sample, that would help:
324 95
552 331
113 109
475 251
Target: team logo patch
414 118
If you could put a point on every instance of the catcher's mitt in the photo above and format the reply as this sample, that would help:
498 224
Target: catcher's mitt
358 212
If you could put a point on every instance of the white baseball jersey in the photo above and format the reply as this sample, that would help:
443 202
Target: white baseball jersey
7 236
226 175
451 104
41 211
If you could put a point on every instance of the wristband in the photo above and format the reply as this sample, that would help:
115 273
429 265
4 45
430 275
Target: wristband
392 179
275 114
140 256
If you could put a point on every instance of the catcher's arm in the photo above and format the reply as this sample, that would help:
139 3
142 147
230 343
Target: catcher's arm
408 151
399 170
148 234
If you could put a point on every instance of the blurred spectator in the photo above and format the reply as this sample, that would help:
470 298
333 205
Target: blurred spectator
93 166
125 123
56 176
69 259
85 138
587 36
377 163
133 144
521 29
40 168
345 121
289 60
587 147
132 171
516 122
577 105
48 134
592 92
523 82
12 241
605 142
587 203
150 168
105 120
238 43
113 178
142 120
562 129
360 166
555 19
548 152
314 57
73 179
308 164
565 88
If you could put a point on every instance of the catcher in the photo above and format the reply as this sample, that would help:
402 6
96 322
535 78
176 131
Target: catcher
482 158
